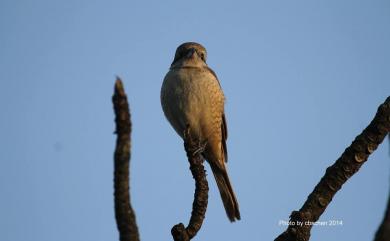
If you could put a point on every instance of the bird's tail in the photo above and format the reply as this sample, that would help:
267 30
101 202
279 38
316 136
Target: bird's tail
227 194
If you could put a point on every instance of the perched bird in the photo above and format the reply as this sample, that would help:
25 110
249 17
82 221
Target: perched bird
191 95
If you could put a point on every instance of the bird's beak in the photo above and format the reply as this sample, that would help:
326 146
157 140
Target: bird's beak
191 52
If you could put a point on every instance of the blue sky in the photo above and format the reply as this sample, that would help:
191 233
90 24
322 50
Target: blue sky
301 78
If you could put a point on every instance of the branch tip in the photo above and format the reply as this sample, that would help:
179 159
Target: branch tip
119 89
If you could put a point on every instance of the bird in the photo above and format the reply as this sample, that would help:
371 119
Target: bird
192 97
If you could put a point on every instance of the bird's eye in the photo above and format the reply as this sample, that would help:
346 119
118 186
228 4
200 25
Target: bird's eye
202 57
182 53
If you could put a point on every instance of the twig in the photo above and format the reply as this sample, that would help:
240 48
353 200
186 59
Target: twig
199 206
337 174
124 214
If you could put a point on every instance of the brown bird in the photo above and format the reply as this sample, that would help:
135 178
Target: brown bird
191 95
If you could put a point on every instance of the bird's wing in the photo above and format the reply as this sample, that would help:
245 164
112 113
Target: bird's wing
213 73
224 136
223 125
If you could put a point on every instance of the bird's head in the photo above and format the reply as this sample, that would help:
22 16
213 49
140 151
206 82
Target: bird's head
190 52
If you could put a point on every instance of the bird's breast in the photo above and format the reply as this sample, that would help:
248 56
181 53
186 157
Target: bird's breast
192 96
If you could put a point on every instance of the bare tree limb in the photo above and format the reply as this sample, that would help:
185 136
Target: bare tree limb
337 174
383 232
199 206
124 214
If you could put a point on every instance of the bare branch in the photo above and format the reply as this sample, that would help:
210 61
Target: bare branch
199 206
337 174
124 214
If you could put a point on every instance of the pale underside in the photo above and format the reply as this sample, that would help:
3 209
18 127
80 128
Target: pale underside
192 96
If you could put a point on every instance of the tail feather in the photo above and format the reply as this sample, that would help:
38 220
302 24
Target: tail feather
227 194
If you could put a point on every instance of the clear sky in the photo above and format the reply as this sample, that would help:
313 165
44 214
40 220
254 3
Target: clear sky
301 78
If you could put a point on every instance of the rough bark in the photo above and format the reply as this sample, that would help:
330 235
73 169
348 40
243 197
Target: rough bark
124 214
199 206
337 174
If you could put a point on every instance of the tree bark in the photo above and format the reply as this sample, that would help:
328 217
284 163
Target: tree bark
336 175
199 206
124 214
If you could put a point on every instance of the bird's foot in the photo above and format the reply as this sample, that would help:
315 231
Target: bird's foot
193 146
201 147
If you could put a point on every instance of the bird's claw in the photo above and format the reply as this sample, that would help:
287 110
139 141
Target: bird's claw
201 147
195 147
